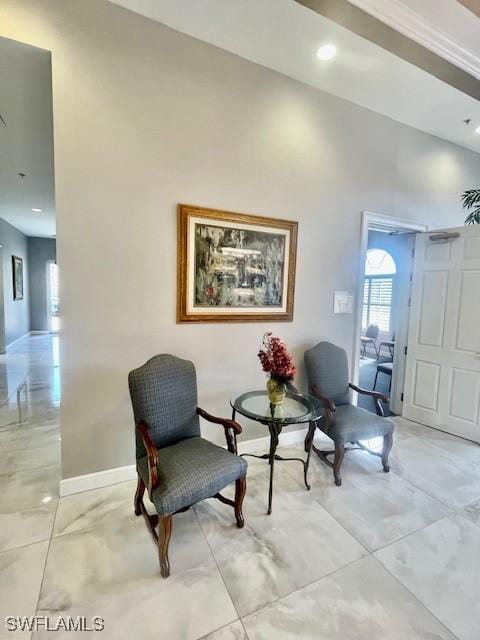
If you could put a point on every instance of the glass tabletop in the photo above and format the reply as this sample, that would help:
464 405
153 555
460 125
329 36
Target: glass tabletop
295 408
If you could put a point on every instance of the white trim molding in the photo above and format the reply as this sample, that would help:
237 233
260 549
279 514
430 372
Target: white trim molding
285 439
108 477
90 481
24 337
411 24
17 340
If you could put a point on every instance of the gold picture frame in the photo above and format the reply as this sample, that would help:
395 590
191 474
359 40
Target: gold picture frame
234 267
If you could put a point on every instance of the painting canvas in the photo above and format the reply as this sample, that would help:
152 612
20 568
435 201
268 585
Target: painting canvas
17 271
234 267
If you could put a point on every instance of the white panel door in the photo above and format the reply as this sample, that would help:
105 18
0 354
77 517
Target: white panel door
442 385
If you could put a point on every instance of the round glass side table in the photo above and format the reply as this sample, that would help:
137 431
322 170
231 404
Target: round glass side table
296 408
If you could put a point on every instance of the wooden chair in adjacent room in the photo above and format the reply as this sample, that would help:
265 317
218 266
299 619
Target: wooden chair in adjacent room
370 337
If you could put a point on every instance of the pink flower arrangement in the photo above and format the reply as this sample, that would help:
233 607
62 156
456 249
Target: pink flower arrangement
275 358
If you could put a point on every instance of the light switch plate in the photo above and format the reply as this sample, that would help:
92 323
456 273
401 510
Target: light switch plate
342 302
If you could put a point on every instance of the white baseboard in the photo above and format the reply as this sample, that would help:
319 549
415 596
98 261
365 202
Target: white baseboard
24 337
90 481
17 340
263 444
105 478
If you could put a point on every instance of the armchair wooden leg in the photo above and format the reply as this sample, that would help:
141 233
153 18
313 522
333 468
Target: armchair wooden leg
387 447
240 489
337 463
137 502
164 534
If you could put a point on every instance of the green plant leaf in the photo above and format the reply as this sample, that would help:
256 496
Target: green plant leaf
473 217
471 198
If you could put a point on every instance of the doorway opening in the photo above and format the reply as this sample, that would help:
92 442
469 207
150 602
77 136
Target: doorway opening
383 295
28 282
53 300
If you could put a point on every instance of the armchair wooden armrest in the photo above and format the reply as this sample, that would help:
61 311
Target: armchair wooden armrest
152 457
231 428
378 397
329 405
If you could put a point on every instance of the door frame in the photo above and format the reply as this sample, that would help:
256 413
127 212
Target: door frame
3 347
49 296
370 219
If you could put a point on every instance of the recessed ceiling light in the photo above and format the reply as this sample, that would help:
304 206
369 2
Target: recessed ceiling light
46 499
477 130
37 210
327 52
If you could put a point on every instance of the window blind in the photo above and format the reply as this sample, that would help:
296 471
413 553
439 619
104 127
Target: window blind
377 302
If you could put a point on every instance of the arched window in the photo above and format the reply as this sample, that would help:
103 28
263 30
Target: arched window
380 270
379 263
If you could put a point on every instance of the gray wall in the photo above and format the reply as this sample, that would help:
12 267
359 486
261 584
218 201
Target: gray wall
16 312
40 251
144 118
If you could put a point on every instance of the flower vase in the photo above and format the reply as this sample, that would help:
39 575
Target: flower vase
276 390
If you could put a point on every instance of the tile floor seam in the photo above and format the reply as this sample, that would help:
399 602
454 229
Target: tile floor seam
459 512
371 552
14 473
398 475
42 466
244 629
23 546
219 572
427 493
424 606
406 535
45 565
225 626
309 584
112 518
393 541
93 526
317 503
445 517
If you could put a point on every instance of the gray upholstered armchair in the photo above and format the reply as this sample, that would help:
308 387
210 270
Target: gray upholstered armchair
327 371
176 465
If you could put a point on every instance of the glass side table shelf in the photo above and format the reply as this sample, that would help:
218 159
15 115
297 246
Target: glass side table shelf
296 408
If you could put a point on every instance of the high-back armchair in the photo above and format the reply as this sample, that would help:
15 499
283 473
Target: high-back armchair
327 371
176 465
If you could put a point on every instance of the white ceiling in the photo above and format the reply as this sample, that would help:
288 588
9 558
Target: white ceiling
444 26
26 143
284 35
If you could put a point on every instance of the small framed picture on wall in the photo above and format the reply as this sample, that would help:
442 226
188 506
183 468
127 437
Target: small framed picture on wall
17 272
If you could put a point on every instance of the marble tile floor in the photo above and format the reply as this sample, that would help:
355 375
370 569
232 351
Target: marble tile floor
384 557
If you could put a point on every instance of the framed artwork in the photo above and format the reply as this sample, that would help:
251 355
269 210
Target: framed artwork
17 271
234 267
